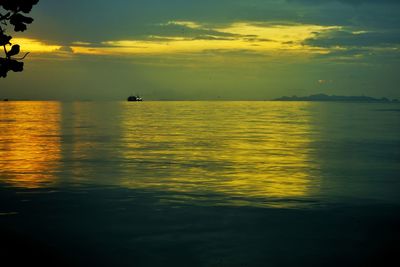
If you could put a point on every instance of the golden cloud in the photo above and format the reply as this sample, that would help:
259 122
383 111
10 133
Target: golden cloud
260 38
243 36
35 46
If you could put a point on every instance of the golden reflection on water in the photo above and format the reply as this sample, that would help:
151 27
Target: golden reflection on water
30 148
250 153
242 150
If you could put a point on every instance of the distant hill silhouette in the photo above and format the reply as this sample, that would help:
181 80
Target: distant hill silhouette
335 98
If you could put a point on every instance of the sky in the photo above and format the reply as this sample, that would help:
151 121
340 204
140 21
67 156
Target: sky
208 50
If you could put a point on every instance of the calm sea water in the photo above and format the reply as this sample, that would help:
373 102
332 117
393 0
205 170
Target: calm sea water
238 155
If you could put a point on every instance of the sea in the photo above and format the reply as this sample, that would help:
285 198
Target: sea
199 183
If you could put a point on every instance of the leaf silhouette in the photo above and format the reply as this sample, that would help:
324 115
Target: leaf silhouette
16 66
18 5
19 21
14 51
13 16
7 65
4 39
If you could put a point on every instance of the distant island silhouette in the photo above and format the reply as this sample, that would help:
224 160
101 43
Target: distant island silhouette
335 98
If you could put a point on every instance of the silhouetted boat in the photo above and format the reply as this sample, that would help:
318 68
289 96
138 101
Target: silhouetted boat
135 98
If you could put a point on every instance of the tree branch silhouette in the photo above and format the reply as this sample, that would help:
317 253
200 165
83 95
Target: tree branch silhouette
15 10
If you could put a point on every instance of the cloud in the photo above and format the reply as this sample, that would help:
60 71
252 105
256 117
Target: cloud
185 29
135 19
348 2
36 46
81 43
355 55
185 24
197 38
322 82
348 29
348 38
66 49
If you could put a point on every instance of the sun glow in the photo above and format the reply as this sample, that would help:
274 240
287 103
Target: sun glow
35 46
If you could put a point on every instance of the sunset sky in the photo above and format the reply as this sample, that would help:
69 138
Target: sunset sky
198 50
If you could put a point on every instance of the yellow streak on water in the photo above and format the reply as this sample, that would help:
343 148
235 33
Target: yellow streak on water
30 143
225 152
252 153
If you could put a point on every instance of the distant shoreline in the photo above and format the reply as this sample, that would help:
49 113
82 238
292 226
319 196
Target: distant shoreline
335 98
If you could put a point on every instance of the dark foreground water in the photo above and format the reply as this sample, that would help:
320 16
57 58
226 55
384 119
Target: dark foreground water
199 184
